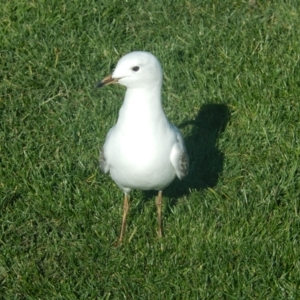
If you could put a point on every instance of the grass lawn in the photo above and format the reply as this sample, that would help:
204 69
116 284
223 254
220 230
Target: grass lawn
232 86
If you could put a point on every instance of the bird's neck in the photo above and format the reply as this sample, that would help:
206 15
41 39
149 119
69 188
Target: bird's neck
139 101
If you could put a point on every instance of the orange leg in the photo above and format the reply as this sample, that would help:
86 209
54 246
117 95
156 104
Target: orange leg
158 205
125 211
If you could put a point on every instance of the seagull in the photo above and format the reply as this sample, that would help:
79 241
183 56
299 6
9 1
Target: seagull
143 150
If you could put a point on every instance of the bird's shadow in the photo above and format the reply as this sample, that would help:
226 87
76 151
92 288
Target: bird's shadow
206 159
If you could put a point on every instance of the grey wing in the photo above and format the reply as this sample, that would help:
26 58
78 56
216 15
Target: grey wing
104 165
179 156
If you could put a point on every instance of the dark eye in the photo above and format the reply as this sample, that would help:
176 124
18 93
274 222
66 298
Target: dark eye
135 69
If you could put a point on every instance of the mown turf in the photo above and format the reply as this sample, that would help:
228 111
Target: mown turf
232 85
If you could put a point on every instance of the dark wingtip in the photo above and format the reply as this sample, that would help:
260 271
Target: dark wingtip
99 84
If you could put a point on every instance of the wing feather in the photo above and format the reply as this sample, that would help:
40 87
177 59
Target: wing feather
179 156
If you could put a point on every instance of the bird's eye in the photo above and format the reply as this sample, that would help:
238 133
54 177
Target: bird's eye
135 69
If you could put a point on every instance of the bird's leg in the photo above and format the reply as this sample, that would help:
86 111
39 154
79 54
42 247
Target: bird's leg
125 211
158 205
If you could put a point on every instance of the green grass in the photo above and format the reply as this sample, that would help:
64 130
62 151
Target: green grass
232 85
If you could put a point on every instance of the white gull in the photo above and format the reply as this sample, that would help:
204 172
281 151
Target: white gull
143 150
